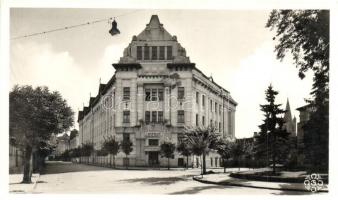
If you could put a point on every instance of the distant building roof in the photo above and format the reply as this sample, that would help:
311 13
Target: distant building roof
303 108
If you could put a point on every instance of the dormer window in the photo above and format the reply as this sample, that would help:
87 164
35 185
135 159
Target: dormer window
169 52
161 53
139 53
154 53
146 53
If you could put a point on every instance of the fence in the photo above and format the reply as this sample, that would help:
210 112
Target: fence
15 159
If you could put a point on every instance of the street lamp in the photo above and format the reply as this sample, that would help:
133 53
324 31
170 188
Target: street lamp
114 30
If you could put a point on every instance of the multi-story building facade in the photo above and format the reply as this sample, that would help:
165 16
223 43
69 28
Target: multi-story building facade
155 92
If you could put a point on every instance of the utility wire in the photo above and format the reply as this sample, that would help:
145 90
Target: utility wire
72 26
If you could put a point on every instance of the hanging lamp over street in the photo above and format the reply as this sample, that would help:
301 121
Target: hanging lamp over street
114 30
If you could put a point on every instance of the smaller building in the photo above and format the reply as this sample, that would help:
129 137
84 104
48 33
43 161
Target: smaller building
304 116
63 144
74 139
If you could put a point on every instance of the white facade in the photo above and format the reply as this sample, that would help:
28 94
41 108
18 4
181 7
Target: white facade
154 93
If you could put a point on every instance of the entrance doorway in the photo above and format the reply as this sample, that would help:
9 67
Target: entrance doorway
153 158
180 162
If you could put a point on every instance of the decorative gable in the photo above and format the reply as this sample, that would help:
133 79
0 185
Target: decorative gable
154 44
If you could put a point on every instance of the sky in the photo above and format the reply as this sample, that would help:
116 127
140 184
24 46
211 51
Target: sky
232 46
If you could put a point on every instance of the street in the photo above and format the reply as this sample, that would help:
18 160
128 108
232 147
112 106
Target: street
65 177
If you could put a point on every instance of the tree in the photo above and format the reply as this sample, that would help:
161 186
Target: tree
306 34
112 146
224 150
201 140
44 149
127 147
167 151
271 142
86 150
237 151
184 149
34 115
73 134
248 153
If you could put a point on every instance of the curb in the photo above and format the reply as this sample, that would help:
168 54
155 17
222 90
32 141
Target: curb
252 186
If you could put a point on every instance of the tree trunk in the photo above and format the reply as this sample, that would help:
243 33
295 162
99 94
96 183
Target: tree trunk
273 164
27 170
110 159
187 162
114 161
274 155
204 167
168 164
127 162
224 167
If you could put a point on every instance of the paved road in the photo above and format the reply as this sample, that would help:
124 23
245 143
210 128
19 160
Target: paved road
62 177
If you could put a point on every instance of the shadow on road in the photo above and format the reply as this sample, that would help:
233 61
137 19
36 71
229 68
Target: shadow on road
198 189
159 180
288 192
57 167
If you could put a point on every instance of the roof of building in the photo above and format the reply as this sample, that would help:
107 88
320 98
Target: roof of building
304 107
287 115
149 33
103 88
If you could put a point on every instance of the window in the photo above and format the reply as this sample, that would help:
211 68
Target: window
148 95
210 105
180 93
126 93
147 116
219 127
180 116
161 52
146 53
220 109
153 116
154 53
154 94
196 119
169 52
197 97
126 137
139 53
229 123
126 116
203 120
160 116
179 138
211 162
203 100
216 107
153 142
160 94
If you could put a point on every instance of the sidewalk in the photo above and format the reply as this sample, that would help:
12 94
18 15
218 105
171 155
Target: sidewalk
225 179
15 185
